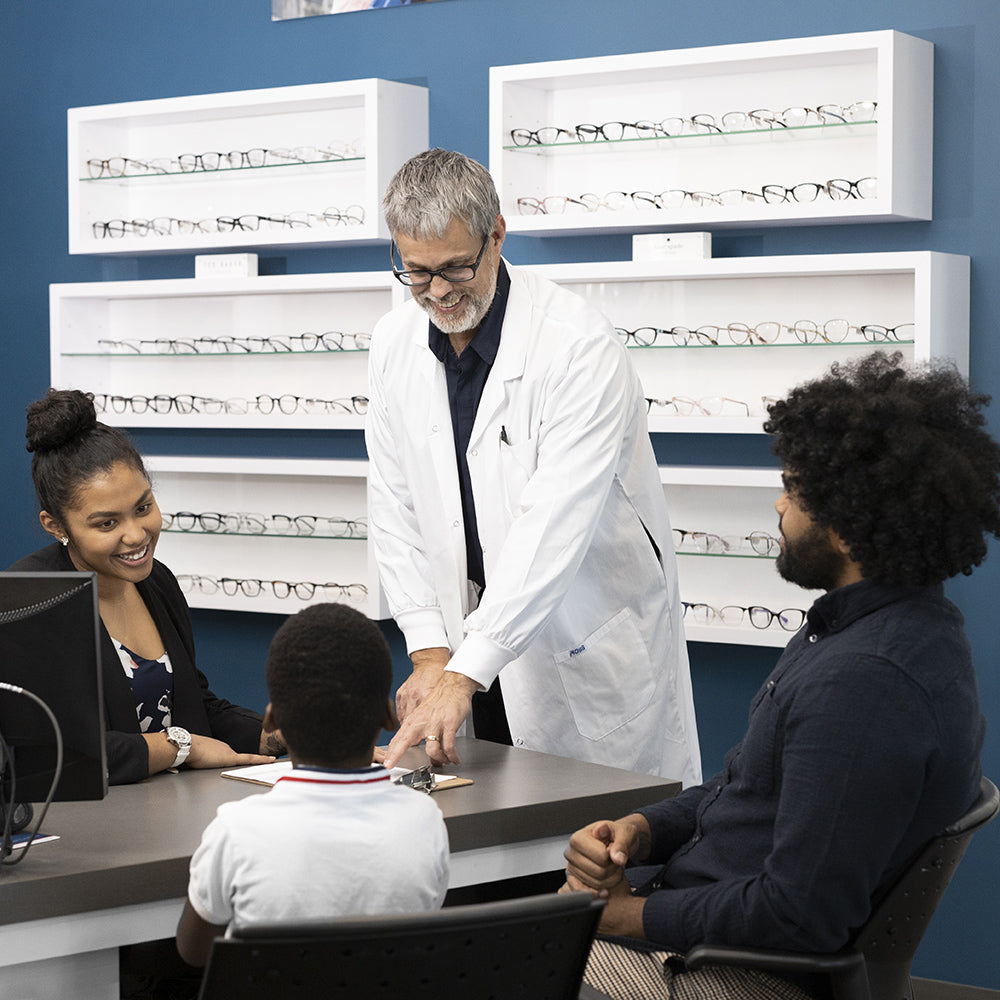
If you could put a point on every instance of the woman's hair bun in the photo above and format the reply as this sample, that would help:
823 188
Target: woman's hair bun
60 417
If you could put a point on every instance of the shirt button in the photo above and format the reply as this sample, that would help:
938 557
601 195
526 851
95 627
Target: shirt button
519 743
474 453
454 524
435 428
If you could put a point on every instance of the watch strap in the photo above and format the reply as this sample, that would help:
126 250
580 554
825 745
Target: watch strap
181 739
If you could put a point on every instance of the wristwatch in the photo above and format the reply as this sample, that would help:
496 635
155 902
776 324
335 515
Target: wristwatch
181 739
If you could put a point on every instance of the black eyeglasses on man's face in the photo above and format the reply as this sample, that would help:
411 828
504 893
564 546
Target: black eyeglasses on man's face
453 274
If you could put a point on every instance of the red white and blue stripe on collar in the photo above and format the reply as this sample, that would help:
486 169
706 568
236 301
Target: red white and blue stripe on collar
330 776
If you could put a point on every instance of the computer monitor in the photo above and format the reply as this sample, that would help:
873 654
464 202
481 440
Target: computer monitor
50 645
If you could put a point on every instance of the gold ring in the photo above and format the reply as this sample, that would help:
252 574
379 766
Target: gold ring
436 739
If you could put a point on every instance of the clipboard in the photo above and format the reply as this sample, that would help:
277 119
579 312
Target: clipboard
268 774
424 779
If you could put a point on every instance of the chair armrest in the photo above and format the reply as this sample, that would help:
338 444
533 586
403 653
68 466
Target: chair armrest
764 958
846 968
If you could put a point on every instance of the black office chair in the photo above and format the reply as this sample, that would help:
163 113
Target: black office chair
875 965
535 947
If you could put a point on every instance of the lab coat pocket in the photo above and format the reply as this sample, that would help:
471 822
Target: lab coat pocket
517 464
608 677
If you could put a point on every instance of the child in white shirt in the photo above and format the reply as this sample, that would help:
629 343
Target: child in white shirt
334 837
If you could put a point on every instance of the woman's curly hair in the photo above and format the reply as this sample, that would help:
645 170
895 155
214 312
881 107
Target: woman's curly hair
896 460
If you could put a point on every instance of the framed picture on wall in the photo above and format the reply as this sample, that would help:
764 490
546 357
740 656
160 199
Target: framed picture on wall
283 10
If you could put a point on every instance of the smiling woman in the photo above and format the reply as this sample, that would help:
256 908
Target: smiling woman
97 502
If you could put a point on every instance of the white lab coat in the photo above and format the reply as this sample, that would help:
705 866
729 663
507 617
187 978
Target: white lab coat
578 613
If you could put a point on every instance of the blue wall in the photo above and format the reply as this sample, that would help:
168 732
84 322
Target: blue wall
67 54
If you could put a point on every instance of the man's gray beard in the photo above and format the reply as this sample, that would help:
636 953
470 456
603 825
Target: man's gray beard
477 306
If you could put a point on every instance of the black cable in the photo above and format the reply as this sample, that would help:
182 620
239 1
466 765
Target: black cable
14 689
6 808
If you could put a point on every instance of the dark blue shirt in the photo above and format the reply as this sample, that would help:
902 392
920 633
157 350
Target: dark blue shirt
862 744
152 687
466 375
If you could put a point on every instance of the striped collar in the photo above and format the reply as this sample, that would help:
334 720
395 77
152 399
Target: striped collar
333 776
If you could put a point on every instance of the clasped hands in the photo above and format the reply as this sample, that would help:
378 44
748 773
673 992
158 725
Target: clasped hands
595 863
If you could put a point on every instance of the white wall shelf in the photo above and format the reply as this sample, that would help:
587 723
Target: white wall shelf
320 148
93 324
729 502
891 69
266 486
929 290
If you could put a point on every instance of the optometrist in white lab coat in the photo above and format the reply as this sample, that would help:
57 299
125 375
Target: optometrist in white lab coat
580 617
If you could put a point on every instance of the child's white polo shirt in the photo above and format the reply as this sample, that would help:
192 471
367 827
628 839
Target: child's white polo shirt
321 844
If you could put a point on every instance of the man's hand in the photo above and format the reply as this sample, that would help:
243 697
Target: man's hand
436 720
428 666
597 854
622 914
595 862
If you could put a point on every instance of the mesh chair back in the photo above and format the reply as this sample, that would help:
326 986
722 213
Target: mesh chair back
532 948
890 937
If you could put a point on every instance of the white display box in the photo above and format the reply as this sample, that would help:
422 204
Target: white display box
727 502
131 339
266 486
929 290
926 289
326 153
887 67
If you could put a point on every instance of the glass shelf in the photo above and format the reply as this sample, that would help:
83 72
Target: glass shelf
265 534
192 355
200 175
723 555
812 345
660 141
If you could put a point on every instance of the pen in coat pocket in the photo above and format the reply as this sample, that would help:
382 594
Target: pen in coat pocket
503 435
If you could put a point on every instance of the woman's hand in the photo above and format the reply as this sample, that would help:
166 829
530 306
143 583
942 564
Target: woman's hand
207 752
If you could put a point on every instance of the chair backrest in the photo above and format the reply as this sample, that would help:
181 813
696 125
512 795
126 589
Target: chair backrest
890 936
532 947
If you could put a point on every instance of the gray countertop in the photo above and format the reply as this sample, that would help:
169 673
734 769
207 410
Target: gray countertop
135 845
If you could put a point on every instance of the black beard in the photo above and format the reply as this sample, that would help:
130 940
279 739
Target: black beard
811 562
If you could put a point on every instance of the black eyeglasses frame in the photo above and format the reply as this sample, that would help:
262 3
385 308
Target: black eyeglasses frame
403 277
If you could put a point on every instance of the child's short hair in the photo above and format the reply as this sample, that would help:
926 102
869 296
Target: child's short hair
329 673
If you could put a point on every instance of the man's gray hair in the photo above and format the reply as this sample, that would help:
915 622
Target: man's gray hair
434 187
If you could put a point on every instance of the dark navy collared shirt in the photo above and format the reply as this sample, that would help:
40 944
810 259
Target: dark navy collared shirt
466 375
861 745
